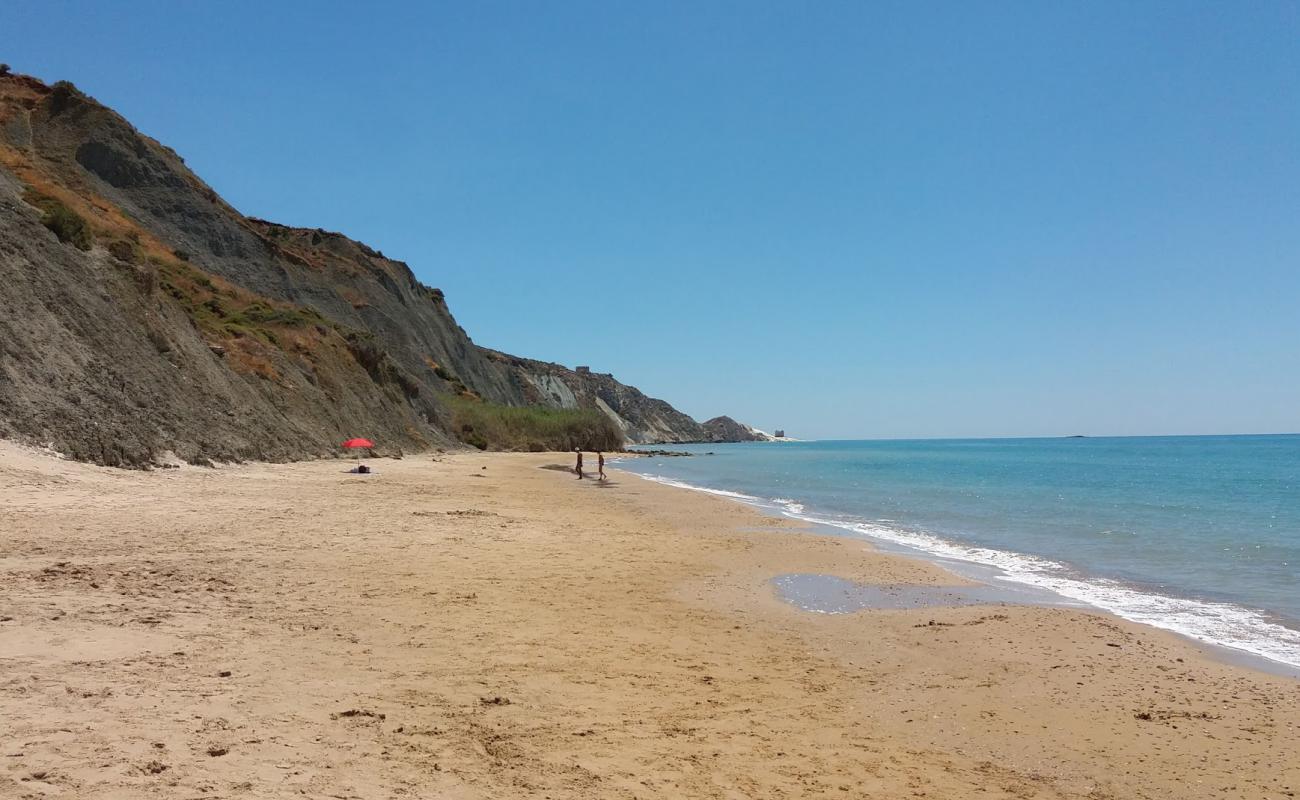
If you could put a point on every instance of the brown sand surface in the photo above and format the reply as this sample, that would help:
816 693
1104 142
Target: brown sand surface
476 626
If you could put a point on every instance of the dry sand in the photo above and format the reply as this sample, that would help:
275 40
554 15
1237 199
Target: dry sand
478 627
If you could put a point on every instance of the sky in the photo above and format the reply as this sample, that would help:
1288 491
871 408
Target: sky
847 220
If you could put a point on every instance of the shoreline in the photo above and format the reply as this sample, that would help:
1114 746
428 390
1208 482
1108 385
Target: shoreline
475 625
1051 590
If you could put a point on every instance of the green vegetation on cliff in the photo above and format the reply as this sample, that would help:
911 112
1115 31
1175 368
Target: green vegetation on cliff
490 426
68 225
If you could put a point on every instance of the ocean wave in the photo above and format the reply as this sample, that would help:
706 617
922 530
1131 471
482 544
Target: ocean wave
1217 623
692 487
791 506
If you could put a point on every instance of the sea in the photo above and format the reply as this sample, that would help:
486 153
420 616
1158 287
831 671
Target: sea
1195 534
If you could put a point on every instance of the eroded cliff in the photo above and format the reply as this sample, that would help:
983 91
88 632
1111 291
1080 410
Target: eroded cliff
172 323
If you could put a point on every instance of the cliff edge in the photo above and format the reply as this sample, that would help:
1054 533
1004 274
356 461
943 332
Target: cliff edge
146 318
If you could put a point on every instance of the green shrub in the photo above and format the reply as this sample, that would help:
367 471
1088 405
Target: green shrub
532 428
290 317
66 224
124 251
63 95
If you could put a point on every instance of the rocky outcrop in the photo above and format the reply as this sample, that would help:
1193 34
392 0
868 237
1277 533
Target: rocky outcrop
185 326
726 429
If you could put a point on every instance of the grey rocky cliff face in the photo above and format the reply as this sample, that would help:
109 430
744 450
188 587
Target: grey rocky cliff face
111 371
644 420
96 365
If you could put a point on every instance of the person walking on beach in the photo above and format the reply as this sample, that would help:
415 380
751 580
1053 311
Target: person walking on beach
578 467
600 464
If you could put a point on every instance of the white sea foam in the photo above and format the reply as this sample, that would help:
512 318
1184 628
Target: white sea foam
681 485
788 505
1217 623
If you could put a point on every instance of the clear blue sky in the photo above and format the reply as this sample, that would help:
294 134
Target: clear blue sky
844 219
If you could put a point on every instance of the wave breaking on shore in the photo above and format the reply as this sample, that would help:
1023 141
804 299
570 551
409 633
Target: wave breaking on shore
1213 622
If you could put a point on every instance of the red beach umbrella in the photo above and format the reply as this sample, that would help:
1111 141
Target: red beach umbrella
350 443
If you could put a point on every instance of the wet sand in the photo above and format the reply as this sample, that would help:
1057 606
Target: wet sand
475 627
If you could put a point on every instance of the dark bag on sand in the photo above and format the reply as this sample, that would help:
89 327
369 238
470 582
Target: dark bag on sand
363 469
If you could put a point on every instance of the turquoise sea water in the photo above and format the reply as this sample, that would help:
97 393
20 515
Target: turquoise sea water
1197 534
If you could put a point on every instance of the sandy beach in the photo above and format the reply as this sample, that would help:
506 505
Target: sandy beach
481 626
